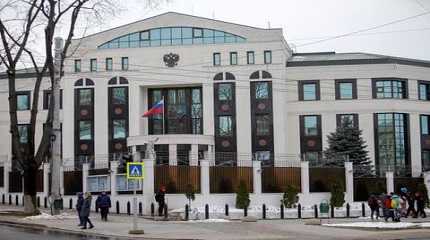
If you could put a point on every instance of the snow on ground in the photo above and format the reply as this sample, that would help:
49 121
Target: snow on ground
212 220
46 216
377 225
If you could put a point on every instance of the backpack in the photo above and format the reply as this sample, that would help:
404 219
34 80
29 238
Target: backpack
388 203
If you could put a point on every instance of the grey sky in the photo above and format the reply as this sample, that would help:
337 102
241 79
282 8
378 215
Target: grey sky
305 20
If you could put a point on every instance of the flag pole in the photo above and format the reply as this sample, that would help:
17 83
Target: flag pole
164 131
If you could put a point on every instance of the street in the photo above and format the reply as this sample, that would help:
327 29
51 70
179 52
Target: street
17 233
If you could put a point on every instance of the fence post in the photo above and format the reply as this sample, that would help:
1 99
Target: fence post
152 210
282 211
186 212
304 169
204 179
206 211
46 168
113 172
16 200
299 211
256 170
264 211
363 210
6 169
390 181
148 186
245 211
349 182
316 211
347 210
45 202
332 211
128 208
85 168
140 209
117 207
3 199
226 209
10 199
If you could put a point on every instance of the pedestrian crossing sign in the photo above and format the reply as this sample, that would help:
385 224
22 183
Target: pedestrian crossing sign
135 170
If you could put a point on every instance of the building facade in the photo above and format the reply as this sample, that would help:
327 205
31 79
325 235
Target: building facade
232 94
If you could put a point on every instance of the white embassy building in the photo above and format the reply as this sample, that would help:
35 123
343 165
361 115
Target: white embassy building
232 94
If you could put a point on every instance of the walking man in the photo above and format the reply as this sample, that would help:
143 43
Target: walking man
411 205
104 203
79 204
419 196
160 198
374 206
85 211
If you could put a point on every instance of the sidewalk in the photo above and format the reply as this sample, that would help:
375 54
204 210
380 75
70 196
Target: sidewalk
119 225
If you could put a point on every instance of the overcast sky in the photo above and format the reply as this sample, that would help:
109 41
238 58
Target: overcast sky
305 21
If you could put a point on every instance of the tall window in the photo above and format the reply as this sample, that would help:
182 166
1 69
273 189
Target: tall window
47 99
424 90
177 111
390 88
109 64
196 111
93 65
425 124
77 65
225 127
267 57
309 90
392 138
233 58
85 130
425 147
85 97
225 92
346 89
261 90
250 57
310 125
119 129
23 101
119 95
124 63
217 59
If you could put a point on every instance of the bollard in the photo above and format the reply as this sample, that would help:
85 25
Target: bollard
332 211
16 200
45 202
226 209
152 210
10 199
186 212
140 209
128 208
70 203
117 207
206 211
316 211
347 210
3 199
166 214
363 210
38 202
299 211
245 212
264 211
23 200
282 211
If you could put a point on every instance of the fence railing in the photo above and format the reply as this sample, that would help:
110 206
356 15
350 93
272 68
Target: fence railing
276 179
226 179
365 186
176 178
320 178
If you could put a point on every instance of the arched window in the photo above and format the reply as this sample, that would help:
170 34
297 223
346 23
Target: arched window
112 81
266 75
219 76
89 82
229 76
79 83
255 75
123 80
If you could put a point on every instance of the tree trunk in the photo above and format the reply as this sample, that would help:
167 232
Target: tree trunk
30 178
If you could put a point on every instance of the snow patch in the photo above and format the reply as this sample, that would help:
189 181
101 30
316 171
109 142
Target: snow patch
213 220
45 216
377 225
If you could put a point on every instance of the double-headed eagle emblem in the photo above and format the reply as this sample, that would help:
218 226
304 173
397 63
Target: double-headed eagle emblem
171 59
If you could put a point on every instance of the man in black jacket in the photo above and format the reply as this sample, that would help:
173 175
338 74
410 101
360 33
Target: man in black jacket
160 198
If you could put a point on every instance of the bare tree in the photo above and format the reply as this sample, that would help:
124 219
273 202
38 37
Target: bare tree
20 22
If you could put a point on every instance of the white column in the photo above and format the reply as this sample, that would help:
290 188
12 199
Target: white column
243 124
173 158
349 182
85 168
62 181
389 176
113 172
101 148
208 108
6 169
194 155
415 144
46 179
256 168
426 176
148 184
204 179
304 167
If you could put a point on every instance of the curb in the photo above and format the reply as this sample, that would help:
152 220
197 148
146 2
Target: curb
40 227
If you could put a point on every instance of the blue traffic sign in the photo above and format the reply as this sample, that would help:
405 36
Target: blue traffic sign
135 170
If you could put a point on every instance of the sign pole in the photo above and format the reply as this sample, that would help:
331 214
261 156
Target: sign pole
135 173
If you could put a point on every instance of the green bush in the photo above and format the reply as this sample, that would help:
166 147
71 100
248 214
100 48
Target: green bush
190 194
290 197
242 196
337 195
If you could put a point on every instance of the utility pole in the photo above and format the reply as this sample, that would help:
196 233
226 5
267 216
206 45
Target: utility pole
56 160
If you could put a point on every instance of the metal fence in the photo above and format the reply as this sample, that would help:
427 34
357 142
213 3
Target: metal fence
176 178
320 178
72 182
226 179
275 179
365 186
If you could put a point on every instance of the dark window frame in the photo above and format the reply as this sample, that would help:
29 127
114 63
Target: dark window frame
338 94
355 119
214 59
404 81
317 89
93 65
268 61
78 62
231 58
23 93
248 54
427 85
124 67
46 96
109 67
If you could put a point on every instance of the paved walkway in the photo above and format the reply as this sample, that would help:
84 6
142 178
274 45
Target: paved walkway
269 229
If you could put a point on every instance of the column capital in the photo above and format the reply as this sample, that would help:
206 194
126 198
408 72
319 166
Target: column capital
256 164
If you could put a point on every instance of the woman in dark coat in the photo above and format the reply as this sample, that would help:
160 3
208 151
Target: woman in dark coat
85 211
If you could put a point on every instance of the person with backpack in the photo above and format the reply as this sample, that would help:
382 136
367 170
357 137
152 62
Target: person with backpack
395 207
160 199
387 207
374 206
103 203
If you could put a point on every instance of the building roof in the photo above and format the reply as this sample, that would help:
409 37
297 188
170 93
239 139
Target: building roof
333 58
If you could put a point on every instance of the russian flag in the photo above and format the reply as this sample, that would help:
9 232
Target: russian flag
156 109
